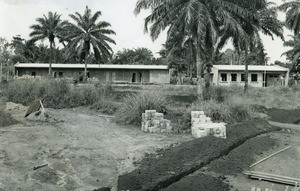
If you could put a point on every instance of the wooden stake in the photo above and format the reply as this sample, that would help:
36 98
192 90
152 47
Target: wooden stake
270 156
273 178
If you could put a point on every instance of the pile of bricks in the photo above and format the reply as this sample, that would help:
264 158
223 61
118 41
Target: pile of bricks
203 126
154 122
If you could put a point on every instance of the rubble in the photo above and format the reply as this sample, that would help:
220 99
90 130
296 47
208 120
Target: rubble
203 126
154 122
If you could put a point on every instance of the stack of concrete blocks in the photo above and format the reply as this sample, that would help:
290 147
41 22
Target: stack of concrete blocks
203 126
154 122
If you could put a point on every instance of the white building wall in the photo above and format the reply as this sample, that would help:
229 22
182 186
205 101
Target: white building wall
159 76
217 80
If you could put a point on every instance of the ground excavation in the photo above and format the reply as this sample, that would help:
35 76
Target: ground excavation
86 151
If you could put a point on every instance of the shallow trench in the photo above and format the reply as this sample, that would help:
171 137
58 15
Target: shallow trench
177 177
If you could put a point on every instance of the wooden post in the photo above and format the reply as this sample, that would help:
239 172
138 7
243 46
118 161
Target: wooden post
1 72
287 78
270 156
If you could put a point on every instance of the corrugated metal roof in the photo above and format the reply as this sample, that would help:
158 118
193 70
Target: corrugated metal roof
92 66
270 68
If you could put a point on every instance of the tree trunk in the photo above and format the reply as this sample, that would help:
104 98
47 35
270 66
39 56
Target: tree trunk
200 82
85 62
51 57
246 72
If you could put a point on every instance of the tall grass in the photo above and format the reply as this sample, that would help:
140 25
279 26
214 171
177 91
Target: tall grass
56 93
270 97
136 103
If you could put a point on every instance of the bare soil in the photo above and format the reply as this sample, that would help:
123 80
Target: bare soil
282 115
83 150
173 164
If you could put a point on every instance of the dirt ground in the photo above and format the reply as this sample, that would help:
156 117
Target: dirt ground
83 150
286 163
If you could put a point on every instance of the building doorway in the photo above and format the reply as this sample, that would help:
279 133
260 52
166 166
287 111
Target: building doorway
133 77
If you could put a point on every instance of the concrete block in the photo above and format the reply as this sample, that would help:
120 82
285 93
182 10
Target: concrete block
195 114
158 116
202 118
169 127
208 120
163 125
147 125
154 129
155 122
200 133
149 114
143 126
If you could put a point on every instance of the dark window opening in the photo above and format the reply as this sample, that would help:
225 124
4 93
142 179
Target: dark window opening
141 76
223 77
33 74
133 77
253 77
55 74
233 77
242 77
60 74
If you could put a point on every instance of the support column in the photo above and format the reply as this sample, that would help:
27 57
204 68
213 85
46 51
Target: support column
287 76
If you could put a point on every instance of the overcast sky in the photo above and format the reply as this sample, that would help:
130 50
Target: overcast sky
17 15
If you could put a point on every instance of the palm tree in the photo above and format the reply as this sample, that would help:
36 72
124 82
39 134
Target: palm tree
50 27
292 9
209 23
87 33
269 25
293 54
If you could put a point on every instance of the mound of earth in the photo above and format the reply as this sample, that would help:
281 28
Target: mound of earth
243 156
6 119
172 164
281 115
199 182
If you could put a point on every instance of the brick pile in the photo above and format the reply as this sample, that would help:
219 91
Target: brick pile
203 126
154 122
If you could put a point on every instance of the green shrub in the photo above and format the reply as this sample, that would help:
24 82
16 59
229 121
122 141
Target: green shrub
217 93
5 118
106 106
81 96
24 91
135 104
225 111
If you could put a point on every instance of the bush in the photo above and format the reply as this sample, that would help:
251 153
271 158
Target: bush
106 106
217 93
57 93
135 104
225 111
5 118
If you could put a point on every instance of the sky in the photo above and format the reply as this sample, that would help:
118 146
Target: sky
17 15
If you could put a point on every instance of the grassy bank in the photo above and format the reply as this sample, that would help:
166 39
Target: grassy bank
226 104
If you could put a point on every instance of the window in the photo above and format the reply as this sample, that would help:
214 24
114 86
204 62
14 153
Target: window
233 77
223 77
60 74
242 77
33 74
253 77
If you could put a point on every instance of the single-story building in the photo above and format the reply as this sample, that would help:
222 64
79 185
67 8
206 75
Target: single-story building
258 76
157 74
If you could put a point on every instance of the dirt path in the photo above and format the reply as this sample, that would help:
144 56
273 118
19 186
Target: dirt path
286 163
83 151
